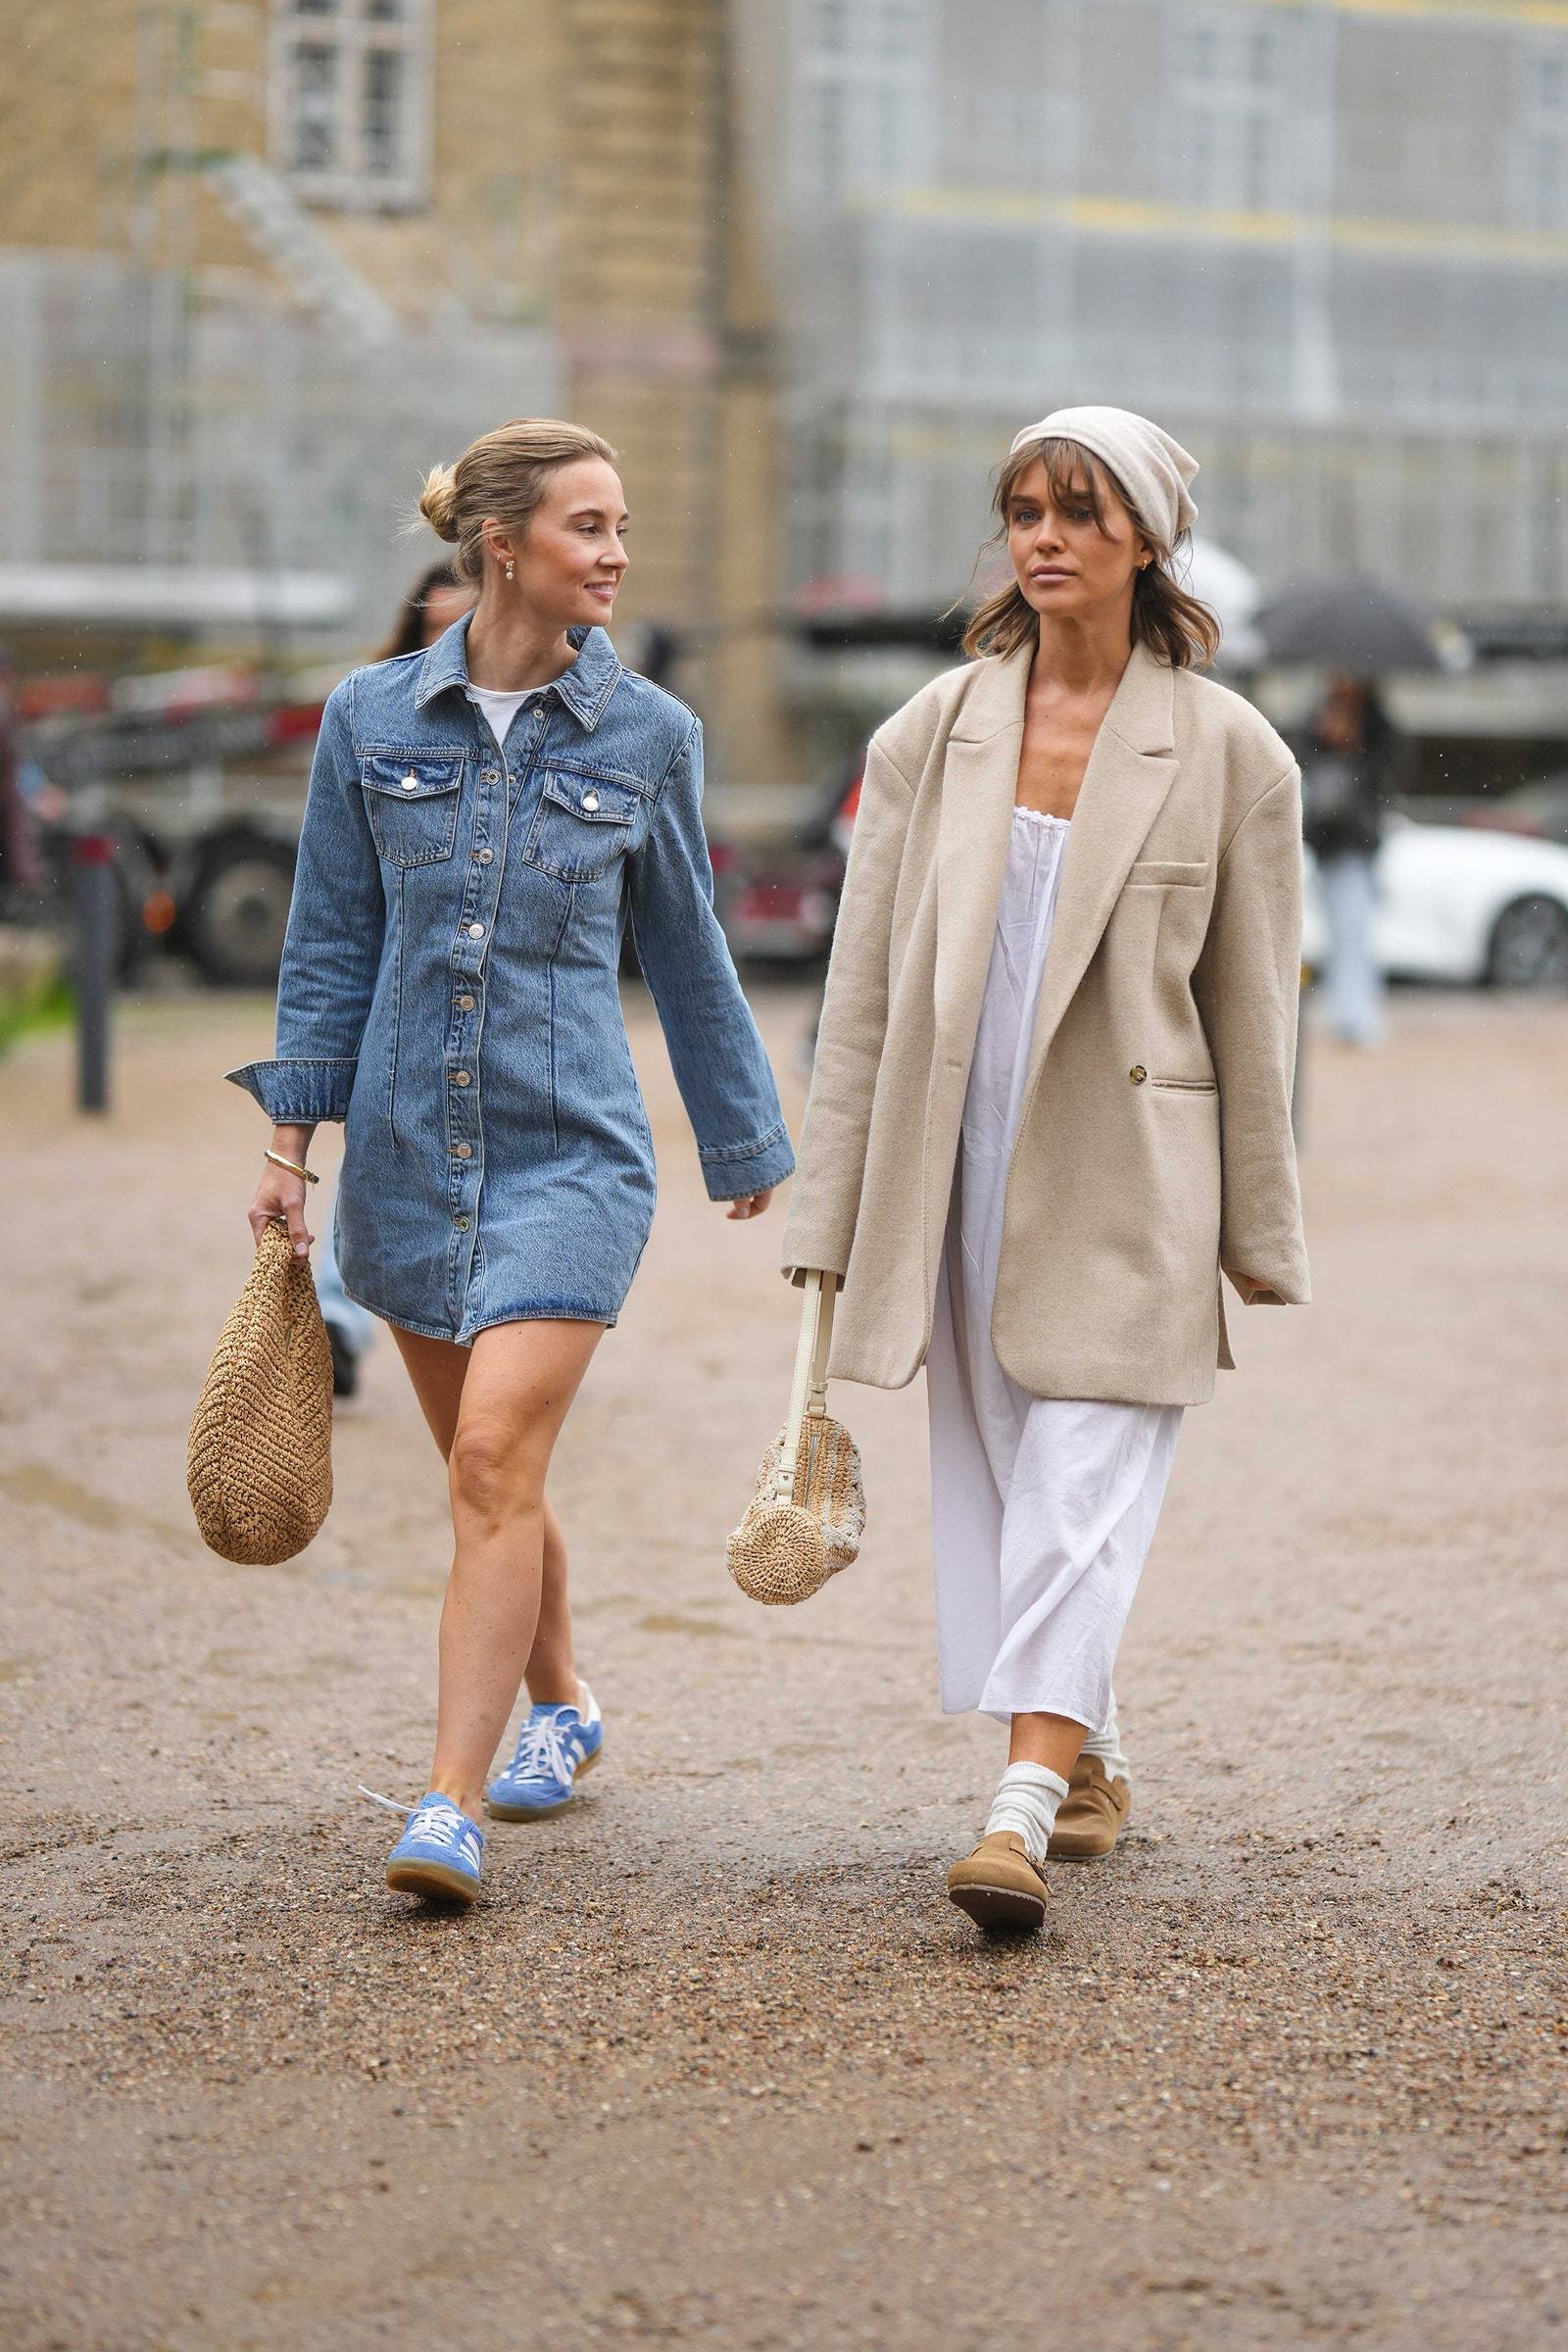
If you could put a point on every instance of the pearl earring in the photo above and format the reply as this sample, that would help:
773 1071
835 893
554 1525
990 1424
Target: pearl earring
512 569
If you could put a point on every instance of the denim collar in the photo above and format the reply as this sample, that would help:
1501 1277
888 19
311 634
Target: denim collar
585 688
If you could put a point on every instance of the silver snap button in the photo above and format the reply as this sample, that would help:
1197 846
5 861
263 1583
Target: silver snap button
489 775
486 857
590 800
477 930
465 1004
463 1150
461 1224
461 1078
411 782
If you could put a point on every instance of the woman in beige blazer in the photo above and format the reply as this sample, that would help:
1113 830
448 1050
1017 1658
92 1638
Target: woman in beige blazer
1051 1098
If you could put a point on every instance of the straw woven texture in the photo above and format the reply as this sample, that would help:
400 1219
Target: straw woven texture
259 1465
783 1552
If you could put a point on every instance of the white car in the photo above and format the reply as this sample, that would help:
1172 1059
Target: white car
1458 902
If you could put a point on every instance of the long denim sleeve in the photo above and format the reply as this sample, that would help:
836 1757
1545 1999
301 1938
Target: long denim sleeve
332 949
719 1061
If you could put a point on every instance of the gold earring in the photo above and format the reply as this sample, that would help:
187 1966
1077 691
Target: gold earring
512 569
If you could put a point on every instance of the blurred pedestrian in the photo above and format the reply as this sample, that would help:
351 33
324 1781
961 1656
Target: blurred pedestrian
21 867
436 600
1347 774
482 818
1052 1100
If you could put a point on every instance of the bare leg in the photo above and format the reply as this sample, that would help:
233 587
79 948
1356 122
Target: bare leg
497 1422
437 1370
552 1672
1053 1741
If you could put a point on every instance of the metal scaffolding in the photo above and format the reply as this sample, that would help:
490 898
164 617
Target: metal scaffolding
143 427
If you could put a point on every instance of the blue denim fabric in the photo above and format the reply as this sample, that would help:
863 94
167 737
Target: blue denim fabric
450 990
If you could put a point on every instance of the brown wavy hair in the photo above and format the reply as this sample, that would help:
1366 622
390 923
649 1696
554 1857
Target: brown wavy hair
1175 626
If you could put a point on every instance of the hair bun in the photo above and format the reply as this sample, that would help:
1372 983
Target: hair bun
438 500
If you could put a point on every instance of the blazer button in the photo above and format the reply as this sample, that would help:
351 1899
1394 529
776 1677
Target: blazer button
1138 1073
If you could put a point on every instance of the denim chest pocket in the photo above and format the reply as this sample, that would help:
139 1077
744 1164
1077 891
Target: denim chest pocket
413 804
581 826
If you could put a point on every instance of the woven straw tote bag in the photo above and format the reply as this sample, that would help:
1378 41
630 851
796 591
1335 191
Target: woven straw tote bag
259 1465
806 1520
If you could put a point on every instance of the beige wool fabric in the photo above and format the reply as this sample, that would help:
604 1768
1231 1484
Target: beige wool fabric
1151 465
259 1464
1155 1139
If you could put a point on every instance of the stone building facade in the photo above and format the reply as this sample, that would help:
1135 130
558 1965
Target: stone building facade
261 260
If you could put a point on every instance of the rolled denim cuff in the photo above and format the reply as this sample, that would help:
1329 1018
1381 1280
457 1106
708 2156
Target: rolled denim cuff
298 1094
734 1172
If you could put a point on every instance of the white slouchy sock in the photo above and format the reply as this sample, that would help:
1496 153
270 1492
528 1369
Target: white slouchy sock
1027 1804
1105 1743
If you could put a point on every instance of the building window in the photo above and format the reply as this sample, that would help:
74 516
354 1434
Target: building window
863 81
1539 145
1230 127
351 100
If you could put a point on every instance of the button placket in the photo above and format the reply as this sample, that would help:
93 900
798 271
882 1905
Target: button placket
464 1132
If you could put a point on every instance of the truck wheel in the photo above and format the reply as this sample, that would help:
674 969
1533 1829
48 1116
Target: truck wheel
1528 944
235 911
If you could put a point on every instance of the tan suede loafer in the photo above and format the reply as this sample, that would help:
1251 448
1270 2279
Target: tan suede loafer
997 1885
1094 1814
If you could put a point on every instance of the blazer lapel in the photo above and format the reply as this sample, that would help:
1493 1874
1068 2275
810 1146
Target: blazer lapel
979 784
1130 770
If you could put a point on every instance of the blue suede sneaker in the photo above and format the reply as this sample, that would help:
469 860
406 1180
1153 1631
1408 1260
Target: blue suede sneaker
556 1746
441 1852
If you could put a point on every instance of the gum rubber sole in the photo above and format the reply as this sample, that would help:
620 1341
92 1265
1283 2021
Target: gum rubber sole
999 1906
543 1812
432 1879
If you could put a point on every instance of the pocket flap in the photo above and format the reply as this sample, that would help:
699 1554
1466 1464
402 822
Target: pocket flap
418 778
595 799
1163 870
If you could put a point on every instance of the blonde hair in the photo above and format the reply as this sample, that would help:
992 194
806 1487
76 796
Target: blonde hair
1173 624
502 475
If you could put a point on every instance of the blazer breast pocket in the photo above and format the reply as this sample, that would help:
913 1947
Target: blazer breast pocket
1166 874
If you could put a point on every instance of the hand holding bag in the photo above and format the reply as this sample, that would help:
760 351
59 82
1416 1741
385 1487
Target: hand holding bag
806 1520
259 1465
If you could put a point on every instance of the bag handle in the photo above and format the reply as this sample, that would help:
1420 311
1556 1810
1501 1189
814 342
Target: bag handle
809 1388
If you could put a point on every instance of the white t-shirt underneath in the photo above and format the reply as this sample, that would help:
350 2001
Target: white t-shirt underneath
501 709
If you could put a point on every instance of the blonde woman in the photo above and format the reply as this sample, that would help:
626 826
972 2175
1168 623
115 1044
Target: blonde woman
483 819
1052 1100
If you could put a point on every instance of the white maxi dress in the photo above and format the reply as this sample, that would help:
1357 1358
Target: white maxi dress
1042 1510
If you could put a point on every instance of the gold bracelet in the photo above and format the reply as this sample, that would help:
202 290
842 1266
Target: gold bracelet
292 1165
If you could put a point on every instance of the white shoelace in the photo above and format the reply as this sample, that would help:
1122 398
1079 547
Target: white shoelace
443 1824
542 1749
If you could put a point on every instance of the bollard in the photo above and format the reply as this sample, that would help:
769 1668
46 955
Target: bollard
95 949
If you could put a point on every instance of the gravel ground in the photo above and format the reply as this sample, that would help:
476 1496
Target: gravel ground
714 2062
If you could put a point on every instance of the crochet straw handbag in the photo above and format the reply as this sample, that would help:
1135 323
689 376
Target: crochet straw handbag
806 1520
259 1465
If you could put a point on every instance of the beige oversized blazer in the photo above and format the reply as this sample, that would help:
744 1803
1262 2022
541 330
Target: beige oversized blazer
1155 1142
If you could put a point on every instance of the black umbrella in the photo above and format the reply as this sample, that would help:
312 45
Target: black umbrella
1351 623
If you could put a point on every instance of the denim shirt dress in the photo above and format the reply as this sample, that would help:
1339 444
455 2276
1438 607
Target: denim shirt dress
450 988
